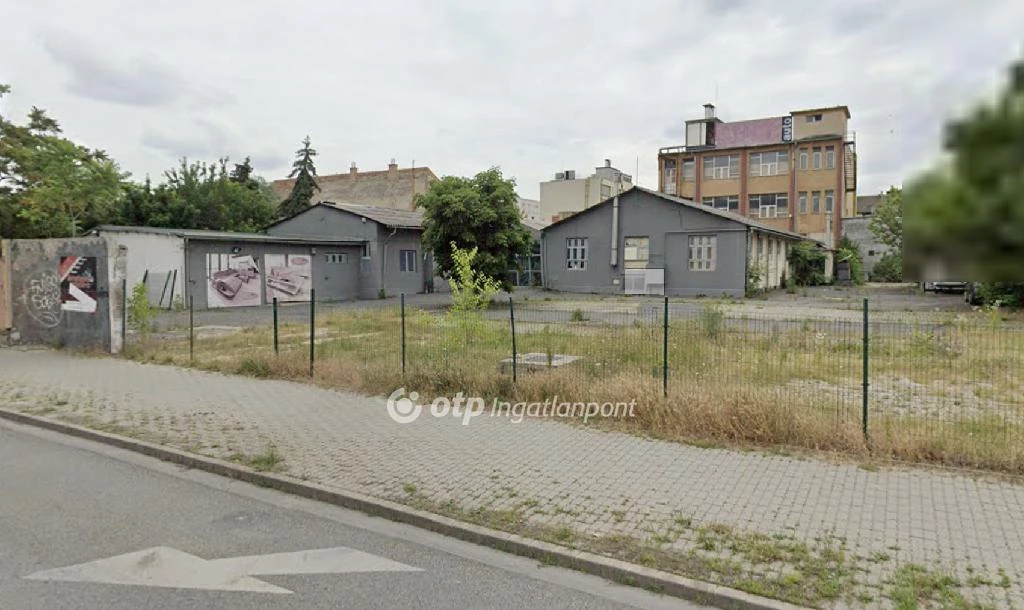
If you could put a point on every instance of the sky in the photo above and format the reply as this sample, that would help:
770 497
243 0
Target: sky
531 86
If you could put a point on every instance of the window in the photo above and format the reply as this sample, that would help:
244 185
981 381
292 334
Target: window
689 169
769 205
829 201
803 158
816 202
817 157
576 253
730 203
636 252
407 261
702 252
773 163
871 252
366 249
722 167
337 257
669 179
814 118
803 202
606 191
830 157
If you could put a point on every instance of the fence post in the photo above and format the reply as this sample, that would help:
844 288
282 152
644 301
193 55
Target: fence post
664 352
191 331
512 320
864 377
312 329
276 340
124 314
401 305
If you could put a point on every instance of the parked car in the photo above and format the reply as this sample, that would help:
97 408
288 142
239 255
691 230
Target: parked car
944 286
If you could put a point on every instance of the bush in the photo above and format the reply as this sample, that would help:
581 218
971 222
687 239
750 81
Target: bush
140 313
889 268
1007 294
471 289
711 320
577 316
808 264
849 251
754 276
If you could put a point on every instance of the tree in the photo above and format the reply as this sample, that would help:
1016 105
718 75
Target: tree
49 185
304 172
887 219
479 212
242 174
968 213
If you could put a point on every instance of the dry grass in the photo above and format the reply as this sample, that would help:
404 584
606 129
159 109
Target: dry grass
947 393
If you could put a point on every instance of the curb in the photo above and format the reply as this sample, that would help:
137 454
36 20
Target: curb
605 567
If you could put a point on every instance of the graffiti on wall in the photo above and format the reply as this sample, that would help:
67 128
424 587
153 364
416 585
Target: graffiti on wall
233 280
78 283
42 299
289 276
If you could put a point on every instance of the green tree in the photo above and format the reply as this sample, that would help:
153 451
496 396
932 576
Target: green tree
480 212
49 185
968 213
887 219
242 174
304 173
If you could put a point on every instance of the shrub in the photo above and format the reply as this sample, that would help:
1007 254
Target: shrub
140 313
577 315
754 277
471 289
711 321
889 268
808 264
849 251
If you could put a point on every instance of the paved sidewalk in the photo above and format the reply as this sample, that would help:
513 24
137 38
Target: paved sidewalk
846 534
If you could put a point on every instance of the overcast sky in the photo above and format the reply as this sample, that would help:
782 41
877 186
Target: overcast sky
532 86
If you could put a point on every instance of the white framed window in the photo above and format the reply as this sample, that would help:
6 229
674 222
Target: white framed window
774 163
814 118
636 251
703 252
337 258
729 203
576 253
803 158
366 249
689 170
407 261
816 202
830 157
722 167
769 205
817 157
669 179
803 202
830 197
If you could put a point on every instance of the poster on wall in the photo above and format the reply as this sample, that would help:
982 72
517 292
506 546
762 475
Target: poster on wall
289 276
233 280
78 283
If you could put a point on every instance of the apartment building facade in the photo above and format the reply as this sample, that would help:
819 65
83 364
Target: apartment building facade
567 194
795 173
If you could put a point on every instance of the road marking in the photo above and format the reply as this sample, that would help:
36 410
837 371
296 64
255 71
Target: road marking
170 568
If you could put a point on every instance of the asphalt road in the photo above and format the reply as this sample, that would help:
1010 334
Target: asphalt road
66 502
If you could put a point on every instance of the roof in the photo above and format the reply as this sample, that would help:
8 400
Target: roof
866 204
402 219
387 188
755 132
845 109
216 235
696 206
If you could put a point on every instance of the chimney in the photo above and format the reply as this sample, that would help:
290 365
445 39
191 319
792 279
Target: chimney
353 170
709 111
392 169
607 162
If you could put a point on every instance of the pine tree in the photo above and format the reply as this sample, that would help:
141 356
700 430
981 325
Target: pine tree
304 173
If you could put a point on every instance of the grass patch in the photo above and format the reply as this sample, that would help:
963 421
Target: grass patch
916 587
270 460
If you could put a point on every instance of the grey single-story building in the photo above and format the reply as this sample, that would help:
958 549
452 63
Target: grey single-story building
393 259
646 242
226 269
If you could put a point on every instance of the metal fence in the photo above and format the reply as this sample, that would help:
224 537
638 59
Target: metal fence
920 387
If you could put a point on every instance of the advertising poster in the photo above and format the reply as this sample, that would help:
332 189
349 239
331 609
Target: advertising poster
78 283
289 276
233 280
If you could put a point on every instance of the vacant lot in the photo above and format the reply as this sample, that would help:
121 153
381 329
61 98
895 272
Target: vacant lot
943 387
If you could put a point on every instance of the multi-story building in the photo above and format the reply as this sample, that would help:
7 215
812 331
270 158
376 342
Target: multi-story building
529 209
567 194
795 173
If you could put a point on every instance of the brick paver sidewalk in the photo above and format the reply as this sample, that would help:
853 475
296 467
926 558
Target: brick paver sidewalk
698 511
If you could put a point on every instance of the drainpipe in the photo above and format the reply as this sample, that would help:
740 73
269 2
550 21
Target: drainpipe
615 231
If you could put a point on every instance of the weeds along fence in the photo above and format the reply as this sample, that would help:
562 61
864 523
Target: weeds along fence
894 385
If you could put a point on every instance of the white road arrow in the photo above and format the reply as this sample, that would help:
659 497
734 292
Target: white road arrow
171 568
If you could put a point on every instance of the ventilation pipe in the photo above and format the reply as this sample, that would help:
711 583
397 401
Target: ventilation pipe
615 231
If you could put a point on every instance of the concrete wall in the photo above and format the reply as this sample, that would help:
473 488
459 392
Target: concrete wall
38 314
5 285
833 122
153 256
332 281
858 229
668 226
